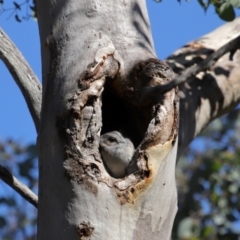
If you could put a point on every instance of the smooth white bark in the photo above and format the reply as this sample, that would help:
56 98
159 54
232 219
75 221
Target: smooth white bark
75 34
79 40
23 75
212 93
19 187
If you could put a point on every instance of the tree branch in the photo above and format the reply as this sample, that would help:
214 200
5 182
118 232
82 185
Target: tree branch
19 187
211 93
191 72
23 76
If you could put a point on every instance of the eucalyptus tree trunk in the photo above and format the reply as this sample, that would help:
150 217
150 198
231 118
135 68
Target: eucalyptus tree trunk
98 62
97 59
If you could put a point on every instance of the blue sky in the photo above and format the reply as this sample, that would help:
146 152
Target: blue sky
173 25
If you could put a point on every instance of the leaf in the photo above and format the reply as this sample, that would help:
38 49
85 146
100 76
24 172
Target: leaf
235 3
208 231
17 6
32 150
3 200
216 166
231 217
226 12
17 18
2 147
233 188
11 202
203 4
219 219
14 147
222 203
2 222
188 229
25 167
33 8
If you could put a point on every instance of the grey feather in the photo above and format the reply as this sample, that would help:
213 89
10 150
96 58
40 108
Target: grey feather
116 152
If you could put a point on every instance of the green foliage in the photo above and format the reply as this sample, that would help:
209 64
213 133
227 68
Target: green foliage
208 178
17 216
224 8
204 4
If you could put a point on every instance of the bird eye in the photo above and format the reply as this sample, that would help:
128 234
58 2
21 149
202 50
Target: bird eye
112 139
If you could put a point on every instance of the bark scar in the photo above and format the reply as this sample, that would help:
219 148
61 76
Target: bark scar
83 121
85 230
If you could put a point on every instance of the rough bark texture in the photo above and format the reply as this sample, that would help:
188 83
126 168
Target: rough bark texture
90 48
97 57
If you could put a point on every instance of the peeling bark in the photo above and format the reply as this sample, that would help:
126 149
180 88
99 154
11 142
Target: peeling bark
82 125
98 63
93 75
98 58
